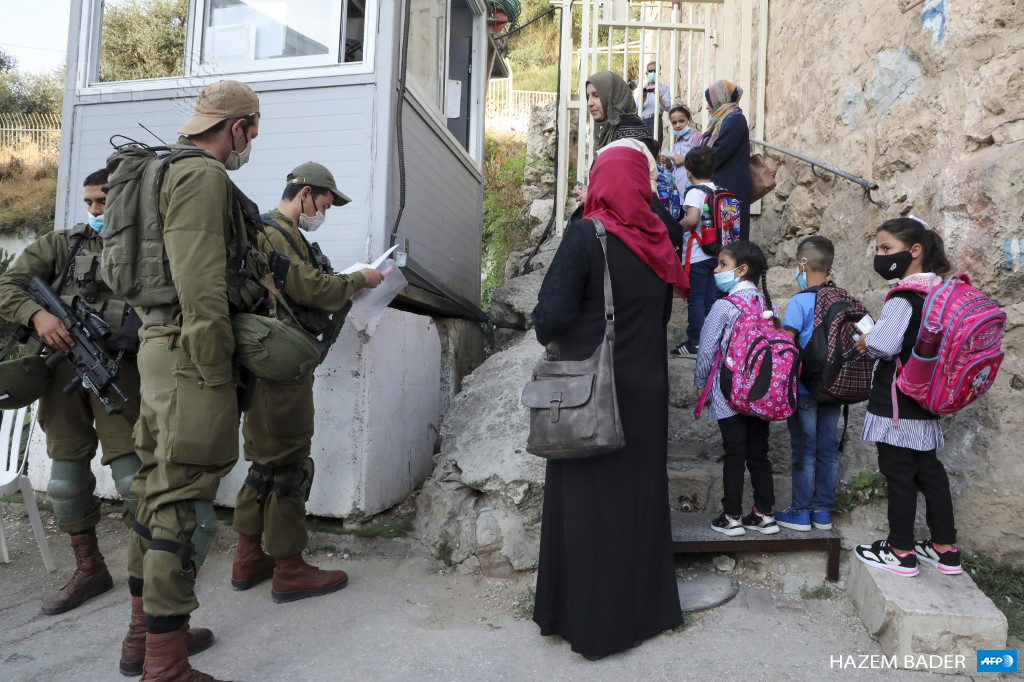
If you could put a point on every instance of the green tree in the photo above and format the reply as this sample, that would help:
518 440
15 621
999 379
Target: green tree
8 62
143 39
31 93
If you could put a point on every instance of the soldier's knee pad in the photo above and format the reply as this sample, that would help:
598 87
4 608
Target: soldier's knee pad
295 480
206 528
70 490
123 470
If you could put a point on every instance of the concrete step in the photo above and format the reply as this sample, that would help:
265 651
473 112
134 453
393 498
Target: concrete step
930 615
692 533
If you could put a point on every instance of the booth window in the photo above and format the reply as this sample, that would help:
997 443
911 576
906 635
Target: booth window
141 40
443 37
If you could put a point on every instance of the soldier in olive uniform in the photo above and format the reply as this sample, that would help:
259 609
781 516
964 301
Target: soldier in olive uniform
187 433
75 423
279 424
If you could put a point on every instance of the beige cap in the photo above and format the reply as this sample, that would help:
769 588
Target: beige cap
316 175
218 101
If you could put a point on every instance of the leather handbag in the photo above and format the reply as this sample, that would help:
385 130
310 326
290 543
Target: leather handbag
574 411
762 180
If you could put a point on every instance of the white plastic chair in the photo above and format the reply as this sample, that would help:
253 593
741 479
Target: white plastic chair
12 478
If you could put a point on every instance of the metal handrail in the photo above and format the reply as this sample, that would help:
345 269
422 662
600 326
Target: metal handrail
866 184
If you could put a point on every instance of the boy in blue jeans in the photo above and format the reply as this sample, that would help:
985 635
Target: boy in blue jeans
814 427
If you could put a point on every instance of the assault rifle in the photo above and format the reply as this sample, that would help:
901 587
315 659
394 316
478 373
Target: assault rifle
96 370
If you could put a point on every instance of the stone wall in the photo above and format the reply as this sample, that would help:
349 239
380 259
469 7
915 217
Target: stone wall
930 105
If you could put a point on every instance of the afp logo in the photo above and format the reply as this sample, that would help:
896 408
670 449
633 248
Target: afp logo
997 661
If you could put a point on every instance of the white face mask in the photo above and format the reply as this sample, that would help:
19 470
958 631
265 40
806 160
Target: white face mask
310 223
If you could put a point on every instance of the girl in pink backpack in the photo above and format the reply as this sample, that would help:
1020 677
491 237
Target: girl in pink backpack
741 265
906 434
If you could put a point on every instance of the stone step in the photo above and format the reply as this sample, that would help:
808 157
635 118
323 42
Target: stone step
930 615
692 533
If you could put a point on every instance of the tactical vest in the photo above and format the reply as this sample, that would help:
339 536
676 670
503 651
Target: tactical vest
134 260
313 320
80 277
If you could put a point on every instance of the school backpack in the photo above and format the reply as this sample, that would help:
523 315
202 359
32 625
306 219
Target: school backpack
831 368
134 264
719 222
760 368
969 353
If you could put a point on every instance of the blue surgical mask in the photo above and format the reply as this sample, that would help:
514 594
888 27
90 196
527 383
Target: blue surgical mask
650 76
725 281
96 222
681 133
801 279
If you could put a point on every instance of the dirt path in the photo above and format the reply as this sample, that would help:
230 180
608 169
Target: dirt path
405 617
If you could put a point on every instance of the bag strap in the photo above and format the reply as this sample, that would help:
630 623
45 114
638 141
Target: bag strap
76 246
707 386
609 302
270 222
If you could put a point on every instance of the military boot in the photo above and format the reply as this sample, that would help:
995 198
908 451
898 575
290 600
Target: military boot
91 577
295 579
133 647
251 564
167 659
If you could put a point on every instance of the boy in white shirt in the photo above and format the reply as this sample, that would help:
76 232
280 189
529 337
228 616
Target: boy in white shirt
700 165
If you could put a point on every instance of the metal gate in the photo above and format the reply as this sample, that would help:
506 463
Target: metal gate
692 43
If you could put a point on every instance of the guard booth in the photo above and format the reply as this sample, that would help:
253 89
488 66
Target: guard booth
328 74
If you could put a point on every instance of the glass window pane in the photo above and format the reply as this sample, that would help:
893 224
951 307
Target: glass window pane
355 28
427 32
142 39
258 30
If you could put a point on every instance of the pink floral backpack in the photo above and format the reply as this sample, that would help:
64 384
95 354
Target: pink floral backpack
761 366
967 327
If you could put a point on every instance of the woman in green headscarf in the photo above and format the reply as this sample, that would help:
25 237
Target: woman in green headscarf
611 105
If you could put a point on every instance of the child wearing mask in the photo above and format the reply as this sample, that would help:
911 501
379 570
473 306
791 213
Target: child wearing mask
684 138
741 265
906 249
814 426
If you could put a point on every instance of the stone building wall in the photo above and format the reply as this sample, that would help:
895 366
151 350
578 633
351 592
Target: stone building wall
930 105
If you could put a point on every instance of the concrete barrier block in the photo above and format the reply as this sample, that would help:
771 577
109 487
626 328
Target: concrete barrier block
923 621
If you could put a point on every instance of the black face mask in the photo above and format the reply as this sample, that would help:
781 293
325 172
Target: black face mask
894 265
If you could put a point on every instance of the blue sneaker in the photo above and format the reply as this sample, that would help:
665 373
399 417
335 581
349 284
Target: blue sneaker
794 520
822 520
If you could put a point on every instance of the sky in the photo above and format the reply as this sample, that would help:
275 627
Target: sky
36 32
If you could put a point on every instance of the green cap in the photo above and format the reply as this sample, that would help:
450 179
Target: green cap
316 175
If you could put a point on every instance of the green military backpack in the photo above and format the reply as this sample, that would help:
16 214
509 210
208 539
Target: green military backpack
134 262
273 349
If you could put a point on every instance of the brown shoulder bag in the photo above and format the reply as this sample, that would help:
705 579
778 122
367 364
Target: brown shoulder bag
574 412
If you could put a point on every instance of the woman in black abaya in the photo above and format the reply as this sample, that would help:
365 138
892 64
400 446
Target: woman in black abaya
606 579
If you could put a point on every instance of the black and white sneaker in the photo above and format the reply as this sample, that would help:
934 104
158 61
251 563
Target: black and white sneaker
728 525
762 523
947 562
684 350
880 555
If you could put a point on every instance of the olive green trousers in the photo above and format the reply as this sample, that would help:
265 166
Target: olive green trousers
277 433
187 439
76 423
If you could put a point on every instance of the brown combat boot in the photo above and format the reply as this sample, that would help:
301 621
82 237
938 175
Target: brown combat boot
295 579
251 564
91 577
133 647
167 659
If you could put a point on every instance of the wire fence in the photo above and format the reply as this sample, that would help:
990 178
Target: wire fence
32 139
509 109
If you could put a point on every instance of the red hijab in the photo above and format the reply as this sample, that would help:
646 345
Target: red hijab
620 196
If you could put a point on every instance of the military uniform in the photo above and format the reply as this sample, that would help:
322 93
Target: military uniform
76 423
278 427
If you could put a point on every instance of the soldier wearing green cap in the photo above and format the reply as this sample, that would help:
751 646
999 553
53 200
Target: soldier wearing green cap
278 427
75 423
